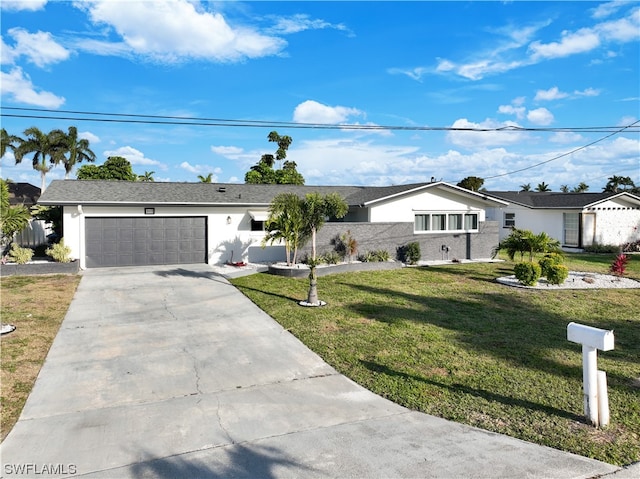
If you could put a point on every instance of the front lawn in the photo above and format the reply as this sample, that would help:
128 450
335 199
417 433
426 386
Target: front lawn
450 341
36 305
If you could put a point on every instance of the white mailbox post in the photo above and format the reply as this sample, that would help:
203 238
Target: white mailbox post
594 382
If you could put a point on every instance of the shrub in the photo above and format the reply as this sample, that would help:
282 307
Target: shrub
619 265
601 248
410 253
59 252
20 255
380 255
557 274
549 260
331 257
527 273
633 247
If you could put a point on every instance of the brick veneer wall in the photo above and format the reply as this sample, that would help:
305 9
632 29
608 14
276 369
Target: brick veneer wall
389 236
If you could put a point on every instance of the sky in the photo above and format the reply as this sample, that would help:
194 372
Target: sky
372 93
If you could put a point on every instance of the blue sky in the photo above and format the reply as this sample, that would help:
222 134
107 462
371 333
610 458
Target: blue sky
421 67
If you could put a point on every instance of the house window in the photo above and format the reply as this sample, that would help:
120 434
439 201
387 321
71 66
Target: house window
509 220
455 221
257 225
421 222
571 229
446 222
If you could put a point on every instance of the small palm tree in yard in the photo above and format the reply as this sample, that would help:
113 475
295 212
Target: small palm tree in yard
525 241
285 223
316 209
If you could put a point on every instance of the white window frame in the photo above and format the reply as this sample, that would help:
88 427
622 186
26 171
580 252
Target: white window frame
430 221
509 220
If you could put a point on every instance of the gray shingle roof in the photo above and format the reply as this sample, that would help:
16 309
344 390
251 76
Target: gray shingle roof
550 199
99 192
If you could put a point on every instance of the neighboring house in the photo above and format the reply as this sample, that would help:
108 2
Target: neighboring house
577 220
36 232
113 223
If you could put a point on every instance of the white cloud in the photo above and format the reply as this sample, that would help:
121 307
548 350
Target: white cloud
551 94
17 5
313 112
587 92
582 41
415 73
476 140
7 54
607 9
17 85
540 116
518 111
135 157
201 169
627 120
227 151
564 137
39 48
87 135
300 23
623 29
172 31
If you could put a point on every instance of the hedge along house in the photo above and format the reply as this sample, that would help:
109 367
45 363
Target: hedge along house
119 223
577 220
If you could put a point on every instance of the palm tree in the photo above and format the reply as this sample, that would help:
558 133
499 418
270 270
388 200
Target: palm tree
564 188
9 142
285 223
147 177
78 151
615 182
581 188
12 218
44 146
316 209
525 187
205 179
543 187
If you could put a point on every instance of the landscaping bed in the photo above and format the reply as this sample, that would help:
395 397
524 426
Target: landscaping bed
39 267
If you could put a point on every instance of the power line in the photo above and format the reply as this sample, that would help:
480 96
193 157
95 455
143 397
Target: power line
620 130
227 122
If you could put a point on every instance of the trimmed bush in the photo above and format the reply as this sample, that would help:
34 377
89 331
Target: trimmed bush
557 274
602 248
20 255
331 257
527 273
549 260
59 252
410 253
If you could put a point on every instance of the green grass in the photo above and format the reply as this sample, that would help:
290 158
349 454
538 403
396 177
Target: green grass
451 342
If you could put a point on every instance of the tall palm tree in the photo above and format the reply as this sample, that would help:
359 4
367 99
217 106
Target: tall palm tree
9 142
543 187
525 187
205 179
44 146
77 150
615 182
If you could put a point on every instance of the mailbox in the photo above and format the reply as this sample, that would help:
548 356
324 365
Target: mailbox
593 337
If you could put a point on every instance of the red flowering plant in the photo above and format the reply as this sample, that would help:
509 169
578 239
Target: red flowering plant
619 264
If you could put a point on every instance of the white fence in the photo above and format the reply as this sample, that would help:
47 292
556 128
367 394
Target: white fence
35 234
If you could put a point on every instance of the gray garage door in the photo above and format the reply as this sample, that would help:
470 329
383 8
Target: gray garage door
145 241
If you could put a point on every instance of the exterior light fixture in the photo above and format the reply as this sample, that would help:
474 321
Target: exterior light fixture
228 220
149 211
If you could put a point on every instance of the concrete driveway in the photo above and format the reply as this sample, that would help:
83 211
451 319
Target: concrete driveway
171 372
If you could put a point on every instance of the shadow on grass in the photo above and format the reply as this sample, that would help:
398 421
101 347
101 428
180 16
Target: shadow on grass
494 323
243 288
241 461
481 393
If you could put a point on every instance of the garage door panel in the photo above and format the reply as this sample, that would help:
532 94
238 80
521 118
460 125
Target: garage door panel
145 241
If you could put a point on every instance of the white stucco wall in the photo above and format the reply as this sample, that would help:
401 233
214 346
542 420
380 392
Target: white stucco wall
403 209
223 238
616 226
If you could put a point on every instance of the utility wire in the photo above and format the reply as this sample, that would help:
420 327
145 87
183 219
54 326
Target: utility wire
222 122
620 130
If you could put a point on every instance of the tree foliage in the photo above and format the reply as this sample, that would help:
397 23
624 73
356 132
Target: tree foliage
617 184
473 183
263 172
525 241
12 218
285 223
543 187
47 150
75 150
205 179
115 168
